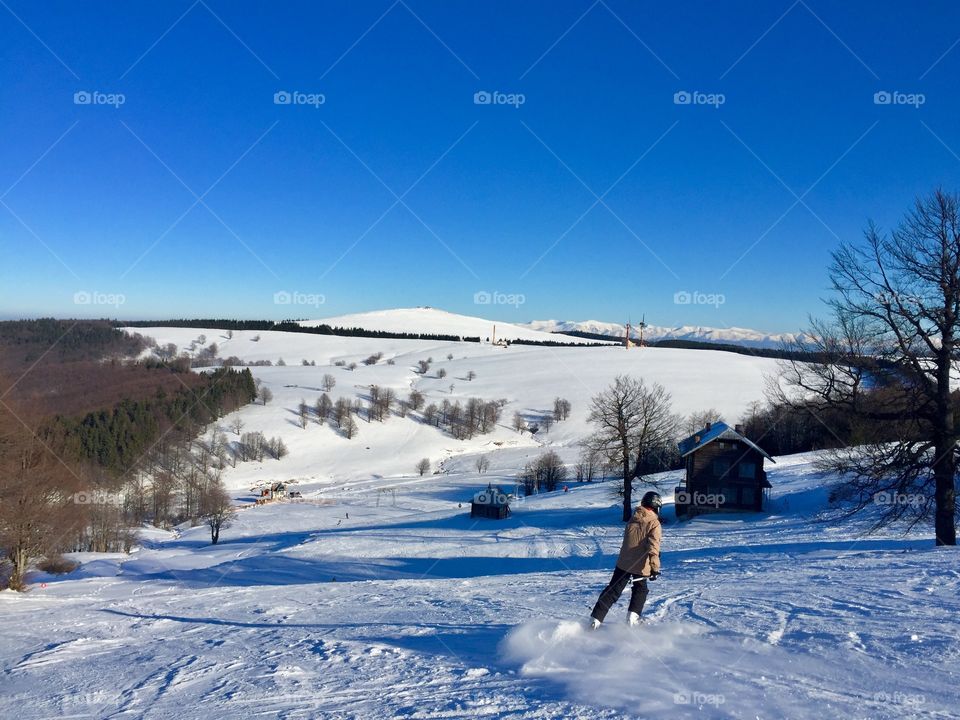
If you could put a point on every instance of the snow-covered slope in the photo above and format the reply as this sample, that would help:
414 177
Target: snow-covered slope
730 335
394 603
377 596
434 321
527 377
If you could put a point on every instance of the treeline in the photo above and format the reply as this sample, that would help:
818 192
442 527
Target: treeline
84 483
290 326
66 339
116 439
775 353
559 343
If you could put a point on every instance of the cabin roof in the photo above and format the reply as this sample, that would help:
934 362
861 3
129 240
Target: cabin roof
716 431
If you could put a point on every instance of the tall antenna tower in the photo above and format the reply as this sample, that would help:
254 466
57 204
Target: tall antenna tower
643 324
626 338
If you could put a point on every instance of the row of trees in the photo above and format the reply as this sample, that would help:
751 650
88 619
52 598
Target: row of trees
474 417
543 474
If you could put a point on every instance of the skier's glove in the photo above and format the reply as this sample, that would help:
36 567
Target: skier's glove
654 575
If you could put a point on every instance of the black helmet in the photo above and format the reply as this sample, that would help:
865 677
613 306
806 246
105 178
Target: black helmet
652 501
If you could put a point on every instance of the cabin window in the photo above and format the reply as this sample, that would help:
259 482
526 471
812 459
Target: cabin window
720 467
748 470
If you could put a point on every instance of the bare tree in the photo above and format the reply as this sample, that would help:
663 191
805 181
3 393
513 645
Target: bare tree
700 419
416 399
561 409
423 467
328 383
483 464
341 410
266 395
888 353
471 375
237 425
441 373
303 411
37 504
423 366
631 420
519 424
219 511
349 426
324 407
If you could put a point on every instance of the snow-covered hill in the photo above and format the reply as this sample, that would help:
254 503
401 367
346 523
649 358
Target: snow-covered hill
730 335
397 604
527 377
437 322
377 596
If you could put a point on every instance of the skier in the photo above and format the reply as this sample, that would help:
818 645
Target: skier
638 562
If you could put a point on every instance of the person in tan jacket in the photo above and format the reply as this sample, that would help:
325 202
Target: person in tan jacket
639 561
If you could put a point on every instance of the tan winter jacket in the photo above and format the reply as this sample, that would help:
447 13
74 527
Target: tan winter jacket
640 551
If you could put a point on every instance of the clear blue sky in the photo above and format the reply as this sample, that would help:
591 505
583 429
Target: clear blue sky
744 199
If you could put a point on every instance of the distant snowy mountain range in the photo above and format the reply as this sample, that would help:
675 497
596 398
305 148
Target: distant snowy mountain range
434 320
730 336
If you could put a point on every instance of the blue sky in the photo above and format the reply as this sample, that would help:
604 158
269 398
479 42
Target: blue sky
599 196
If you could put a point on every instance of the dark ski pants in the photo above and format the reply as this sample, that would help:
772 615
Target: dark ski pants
611 593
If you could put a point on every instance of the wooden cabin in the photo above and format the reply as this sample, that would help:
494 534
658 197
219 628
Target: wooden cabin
490 503
724 472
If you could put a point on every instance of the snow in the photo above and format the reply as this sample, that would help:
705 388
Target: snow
433 320
528 377
730 335
378 596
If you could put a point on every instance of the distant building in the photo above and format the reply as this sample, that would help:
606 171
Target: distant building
724 472
490 503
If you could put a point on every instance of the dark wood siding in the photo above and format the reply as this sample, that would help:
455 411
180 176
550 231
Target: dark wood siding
725 475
